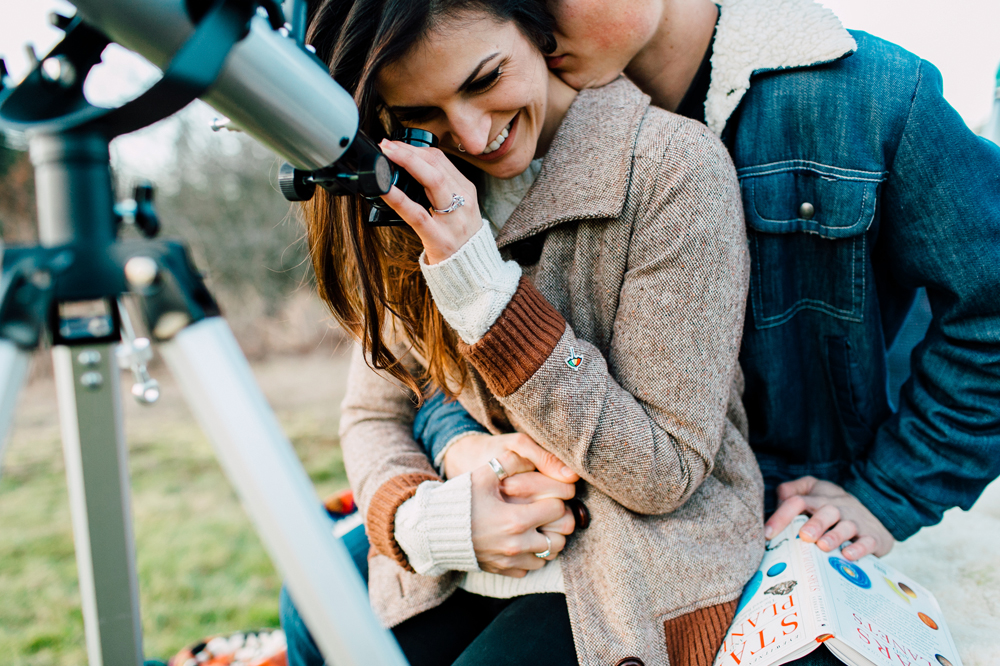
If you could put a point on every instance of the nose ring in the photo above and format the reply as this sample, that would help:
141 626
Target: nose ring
460 149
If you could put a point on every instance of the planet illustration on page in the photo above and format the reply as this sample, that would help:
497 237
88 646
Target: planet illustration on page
899 593
851 572
944 661
781 589
908 591
749 590
777 569
926 619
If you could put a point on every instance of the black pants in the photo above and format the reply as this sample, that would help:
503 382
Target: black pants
471 630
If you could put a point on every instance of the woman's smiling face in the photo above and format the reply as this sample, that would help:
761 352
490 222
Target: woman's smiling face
474 82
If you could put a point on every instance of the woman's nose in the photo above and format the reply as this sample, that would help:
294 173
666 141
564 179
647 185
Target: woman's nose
471 132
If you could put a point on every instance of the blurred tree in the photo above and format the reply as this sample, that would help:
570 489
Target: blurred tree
222 199
17 196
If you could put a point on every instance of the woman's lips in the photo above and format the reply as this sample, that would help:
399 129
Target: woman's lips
505 147
554 61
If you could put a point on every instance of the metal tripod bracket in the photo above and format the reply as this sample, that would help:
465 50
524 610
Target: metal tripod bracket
67 291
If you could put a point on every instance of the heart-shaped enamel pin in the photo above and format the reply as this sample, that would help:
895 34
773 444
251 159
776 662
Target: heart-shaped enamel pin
574 360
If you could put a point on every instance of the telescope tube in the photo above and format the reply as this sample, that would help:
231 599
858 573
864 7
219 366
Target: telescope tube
270 88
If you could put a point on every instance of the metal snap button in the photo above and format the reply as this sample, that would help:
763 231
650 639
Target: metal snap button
806 211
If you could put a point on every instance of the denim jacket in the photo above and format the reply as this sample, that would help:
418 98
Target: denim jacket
860 185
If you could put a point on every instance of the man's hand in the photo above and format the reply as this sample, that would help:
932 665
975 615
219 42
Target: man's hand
836 517
473 451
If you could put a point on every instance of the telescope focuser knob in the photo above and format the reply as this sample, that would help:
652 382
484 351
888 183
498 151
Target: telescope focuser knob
293 183
146 219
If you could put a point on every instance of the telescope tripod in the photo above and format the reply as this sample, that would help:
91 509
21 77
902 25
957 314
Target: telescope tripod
67 290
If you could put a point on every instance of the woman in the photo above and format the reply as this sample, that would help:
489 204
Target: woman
612 344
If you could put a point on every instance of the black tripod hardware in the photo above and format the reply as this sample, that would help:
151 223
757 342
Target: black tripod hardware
300 185
80 259
68 288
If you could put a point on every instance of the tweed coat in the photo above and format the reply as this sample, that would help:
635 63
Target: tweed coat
635 262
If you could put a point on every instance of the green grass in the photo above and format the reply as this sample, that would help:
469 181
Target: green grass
202 569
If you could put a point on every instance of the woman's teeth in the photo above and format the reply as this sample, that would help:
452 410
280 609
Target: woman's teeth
497 142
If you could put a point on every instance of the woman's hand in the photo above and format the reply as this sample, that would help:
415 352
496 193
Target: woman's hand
506 535
442 234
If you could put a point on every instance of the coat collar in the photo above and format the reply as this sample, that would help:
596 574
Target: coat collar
762 35
586 171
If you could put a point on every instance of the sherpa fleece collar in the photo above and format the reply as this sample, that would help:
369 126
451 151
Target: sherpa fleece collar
762 35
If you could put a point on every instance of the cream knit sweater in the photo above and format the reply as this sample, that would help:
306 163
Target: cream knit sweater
471 289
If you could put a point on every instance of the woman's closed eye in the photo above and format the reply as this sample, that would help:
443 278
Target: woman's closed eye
485 82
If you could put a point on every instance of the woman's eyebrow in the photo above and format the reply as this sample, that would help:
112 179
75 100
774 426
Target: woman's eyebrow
475 72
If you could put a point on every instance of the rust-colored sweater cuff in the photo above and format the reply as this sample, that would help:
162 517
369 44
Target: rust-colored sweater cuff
693 639
381 523
518 343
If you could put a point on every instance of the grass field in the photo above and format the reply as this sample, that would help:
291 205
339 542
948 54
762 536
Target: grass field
201 566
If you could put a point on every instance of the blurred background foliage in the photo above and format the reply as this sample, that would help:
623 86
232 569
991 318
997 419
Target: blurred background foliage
202 569
218 192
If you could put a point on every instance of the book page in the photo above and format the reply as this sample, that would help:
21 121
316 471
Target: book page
775 620
884 615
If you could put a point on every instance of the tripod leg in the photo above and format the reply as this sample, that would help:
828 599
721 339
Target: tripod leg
13 370
278 496
97 478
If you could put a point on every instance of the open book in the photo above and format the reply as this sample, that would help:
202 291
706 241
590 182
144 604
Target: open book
865 612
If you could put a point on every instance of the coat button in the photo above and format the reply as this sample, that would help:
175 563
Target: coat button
630 661
806 211
580 513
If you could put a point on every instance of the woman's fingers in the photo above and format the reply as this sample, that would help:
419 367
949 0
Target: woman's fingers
563 525
558 542
429 167
414 214
533 486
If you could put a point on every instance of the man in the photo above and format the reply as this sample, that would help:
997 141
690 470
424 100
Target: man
857 182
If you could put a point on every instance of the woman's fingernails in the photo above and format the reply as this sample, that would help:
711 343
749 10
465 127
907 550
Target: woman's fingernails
768 531
387 145
811 534
566 472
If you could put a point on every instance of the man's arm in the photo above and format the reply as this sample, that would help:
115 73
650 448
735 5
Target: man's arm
439 424
941 227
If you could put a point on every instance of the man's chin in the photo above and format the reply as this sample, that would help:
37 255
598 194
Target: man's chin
584 80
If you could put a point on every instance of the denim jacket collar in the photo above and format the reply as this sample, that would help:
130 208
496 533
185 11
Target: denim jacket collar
786 34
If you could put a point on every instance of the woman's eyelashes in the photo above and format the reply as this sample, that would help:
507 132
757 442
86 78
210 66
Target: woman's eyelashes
484 83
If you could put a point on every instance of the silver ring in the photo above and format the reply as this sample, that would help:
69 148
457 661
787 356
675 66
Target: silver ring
457 201
548 551
498 469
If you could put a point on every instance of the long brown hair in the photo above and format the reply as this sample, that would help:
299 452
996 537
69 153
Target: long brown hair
370 276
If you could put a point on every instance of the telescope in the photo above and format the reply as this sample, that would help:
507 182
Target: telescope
242 58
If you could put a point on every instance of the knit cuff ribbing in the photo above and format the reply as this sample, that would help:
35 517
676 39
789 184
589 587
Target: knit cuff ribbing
434 527
693 639
381 523
473 286
519 343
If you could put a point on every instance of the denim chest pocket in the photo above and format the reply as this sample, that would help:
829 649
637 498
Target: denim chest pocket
806 225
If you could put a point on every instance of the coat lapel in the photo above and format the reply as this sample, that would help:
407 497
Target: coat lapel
586 172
